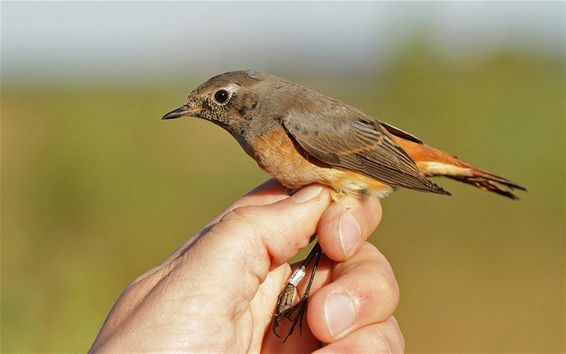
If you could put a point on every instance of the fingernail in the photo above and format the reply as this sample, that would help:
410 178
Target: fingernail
339 313
349 232
307 193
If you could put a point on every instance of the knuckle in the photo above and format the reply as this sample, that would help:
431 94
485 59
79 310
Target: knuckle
384 280
230 217
392 332
242 214
379 343
374 254
401 342
342 268
388 291
245 219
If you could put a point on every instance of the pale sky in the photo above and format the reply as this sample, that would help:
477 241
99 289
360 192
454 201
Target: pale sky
125 41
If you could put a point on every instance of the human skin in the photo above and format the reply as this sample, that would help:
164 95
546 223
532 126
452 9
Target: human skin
217 292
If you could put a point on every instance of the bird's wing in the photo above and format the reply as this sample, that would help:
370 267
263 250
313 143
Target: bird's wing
401 133
345 138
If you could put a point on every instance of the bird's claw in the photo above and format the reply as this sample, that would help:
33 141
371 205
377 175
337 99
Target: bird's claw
294 314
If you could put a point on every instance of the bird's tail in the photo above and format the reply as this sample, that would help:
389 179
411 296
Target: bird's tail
434 162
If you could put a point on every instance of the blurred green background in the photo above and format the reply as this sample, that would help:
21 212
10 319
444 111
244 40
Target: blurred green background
96 189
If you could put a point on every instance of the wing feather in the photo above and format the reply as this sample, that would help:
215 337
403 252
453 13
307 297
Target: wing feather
348 139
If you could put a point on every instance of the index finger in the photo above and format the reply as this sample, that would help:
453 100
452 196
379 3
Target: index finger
268 192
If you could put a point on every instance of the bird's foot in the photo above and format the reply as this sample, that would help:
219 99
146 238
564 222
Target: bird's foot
294 314
285 308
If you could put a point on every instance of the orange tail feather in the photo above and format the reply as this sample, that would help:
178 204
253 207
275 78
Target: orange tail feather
434 162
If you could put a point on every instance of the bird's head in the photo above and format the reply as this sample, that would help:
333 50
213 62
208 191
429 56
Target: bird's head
225 99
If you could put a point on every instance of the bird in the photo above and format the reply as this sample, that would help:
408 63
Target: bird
301 137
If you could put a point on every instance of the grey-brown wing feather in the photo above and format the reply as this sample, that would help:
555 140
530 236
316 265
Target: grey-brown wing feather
360 144
401 133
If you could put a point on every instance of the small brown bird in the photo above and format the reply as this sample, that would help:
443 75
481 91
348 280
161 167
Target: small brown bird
301 137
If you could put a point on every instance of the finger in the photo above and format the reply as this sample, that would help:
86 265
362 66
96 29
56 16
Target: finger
264 299
346 225
363 291
239 247
248 241
301 341
268 192
384 337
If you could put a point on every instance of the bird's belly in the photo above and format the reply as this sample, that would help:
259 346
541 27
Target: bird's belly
276 154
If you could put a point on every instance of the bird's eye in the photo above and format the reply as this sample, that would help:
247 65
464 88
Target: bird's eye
221 96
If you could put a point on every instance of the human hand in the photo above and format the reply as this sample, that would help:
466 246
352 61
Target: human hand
217 292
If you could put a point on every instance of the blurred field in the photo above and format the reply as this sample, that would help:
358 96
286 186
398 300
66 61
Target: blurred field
96 189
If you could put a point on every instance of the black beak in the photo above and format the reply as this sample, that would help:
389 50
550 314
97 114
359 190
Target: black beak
183 111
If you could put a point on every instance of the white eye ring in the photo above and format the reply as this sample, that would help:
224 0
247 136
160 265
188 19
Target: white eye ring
221 96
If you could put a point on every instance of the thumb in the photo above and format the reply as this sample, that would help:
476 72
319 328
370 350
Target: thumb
232 259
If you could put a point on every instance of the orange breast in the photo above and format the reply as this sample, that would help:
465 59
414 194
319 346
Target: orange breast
277 154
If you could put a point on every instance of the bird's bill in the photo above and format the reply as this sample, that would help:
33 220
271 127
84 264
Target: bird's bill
183 111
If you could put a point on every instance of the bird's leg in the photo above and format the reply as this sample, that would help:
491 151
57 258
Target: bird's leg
285 307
